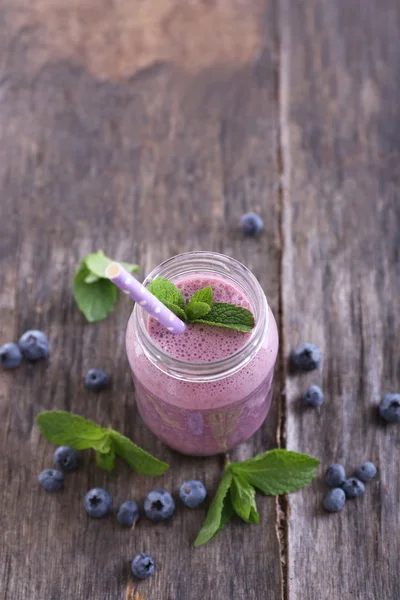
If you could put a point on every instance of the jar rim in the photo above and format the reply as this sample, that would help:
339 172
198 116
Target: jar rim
199 262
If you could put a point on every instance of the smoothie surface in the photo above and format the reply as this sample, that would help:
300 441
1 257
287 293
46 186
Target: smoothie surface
202 343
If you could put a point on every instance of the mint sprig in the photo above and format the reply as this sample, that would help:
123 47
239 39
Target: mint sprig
201 308
95 295
273 473
67 429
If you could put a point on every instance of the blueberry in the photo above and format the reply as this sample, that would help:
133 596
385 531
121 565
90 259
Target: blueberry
66 458
51 480
34 345
313 396
128 513
142 566
334 500
251 224
98 503
192 493
96 380
10 356
353 487
307 357
335 475
366 472
389 408
159 505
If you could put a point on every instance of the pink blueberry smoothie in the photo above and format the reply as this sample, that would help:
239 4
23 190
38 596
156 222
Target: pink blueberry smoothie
203 417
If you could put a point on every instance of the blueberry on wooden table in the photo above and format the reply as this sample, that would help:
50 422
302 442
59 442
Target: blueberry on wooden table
96 380
51 480
66 458
335 475
10 356
142 565
159 505
389 408
98 503
307 357
251 224
128 513
34 345
192 493
366 472
353 487
313 396
335 500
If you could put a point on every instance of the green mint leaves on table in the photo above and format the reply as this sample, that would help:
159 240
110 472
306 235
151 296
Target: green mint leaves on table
96 295
201 308
67 429
273 473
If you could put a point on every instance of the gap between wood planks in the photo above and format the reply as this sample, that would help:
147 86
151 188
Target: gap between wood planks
282 502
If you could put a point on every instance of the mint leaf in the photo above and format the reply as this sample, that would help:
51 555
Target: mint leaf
136 457
66 429
243 496
213 521
91 278
106 460
203 295
226 515
179 312
197 310
96 300
277 471
199 304
230 316
97 263
166 291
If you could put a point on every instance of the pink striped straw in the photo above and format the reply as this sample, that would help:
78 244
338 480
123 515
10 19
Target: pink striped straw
135 290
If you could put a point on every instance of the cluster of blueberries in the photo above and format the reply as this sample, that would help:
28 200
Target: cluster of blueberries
158 505
32 345
307 357
343 488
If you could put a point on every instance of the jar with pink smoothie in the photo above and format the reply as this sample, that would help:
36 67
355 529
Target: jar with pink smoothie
206 390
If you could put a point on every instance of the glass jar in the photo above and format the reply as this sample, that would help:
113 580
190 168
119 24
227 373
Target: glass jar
205 408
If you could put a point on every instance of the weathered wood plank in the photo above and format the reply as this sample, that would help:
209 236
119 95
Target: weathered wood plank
143 148
340 83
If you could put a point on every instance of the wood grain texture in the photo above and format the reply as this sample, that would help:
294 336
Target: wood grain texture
143 157
340 83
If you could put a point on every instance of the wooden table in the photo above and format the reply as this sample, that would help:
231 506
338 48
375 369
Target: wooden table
147 129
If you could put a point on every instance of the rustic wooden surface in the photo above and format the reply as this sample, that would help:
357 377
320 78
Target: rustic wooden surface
146 129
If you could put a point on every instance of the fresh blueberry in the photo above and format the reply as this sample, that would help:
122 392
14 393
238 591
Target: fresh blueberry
142 566
34 345
334 500
335 475
366 472
66 458
98 503
10 356
353 487
96 380
192 493
159 505
51 480
307 357
313 396
251 224
128 513
389 408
